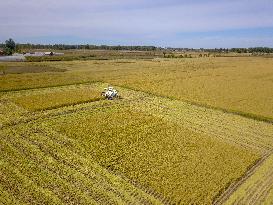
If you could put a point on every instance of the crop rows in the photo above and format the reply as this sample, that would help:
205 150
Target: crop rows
57 99
141 149
156 153
241 85
41 166
232 128
258 188
13 113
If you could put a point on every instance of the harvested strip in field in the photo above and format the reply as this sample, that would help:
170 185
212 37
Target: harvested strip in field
177 163
41 166
231 128
240 85
207 122
258 188
57 99
12 113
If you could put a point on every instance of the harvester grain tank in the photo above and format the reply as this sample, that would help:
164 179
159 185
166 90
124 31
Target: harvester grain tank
110 93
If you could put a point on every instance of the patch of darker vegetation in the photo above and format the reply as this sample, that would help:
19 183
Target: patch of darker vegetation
60 58
30 69
99 55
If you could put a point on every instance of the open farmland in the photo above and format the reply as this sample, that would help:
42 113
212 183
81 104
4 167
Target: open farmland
257 188
240 85
189 131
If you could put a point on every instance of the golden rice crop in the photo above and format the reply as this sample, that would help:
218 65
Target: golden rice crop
235 129
45 167
241 85
57 99
177 163
237 85
10 113
143 148
258 189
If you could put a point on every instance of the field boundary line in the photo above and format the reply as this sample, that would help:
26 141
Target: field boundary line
51 86
62 113
203 105
234 186
252 116
147 190
69 104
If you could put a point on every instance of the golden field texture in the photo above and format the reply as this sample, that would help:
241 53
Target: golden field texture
12 113
58 99
41 166
258 188
160 150
14 106
239 84
188 131
40 161
181 165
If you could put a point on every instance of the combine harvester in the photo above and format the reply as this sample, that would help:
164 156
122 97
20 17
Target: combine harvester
110 93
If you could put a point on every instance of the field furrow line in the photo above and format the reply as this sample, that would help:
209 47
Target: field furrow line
97 184
103 182
29 117
225 195
254 187
260 192
230 127
267 191
50 170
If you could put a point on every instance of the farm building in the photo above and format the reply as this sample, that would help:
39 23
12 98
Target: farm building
52 53
49 53
37 54
34 54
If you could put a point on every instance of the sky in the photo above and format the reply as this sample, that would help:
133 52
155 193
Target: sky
165 23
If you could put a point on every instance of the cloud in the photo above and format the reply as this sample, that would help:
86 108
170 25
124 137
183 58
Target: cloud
131 20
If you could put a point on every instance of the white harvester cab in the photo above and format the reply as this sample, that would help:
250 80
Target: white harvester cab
110 93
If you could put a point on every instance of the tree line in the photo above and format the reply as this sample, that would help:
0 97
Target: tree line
252 50
29 46
225 50
10 47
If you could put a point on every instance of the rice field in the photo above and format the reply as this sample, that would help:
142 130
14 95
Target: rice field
46 167
258 188
242 85
175 137
158 155
57 99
